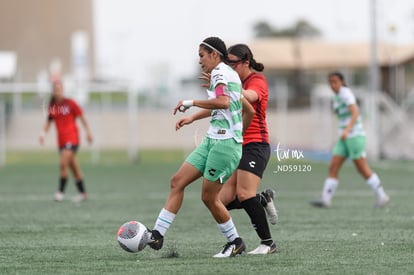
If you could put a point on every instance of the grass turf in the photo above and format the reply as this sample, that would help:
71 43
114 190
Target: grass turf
40 236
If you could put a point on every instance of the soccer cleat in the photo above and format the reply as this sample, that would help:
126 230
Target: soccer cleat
382 201
231 249
59 196
320 204
264 249
267 197
156 240
80 197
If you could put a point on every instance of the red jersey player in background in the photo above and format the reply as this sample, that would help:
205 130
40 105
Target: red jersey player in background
64 111
241 188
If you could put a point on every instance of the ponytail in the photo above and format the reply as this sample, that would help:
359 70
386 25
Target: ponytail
243 52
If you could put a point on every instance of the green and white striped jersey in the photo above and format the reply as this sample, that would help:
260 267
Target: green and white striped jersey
341 103
226 123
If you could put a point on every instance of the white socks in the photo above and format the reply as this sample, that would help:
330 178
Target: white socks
375 184
329 189
229 230
331 184
164 220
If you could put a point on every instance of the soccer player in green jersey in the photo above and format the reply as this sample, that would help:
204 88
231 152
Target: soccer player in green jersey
218 155
239 192
351 144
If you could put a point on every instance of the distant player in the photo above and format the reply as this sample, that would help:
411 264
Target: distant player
64 112
351 144
218 155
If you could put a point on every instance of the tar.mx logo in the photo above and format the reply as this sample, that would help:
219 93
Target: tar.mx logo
287 154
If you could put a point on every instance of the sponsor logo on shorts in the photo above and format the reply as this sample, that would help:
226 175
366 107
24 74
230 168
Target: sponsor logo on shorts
212 171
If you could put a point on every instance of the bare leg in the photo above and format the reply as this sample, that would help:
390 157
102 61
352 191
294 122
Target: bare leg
179 181
335 166
210 197
228 191
76 170
362 166
64 163
185 175
247 185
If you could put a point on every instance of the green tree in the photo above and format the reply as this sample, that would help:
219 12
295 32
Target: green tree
301 28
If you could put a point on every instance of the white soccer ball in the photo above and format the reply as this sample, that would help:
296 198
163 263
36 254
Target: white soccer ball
133 236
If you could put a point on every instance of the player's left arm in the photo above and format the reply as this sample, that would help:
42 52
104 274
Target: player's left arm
85 125
77 111
201 114
190 119
353 109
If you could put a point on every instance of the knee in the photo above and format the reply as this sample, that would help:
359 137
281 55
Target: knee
246 192
205 199
208 200
63 165
242 196
176 183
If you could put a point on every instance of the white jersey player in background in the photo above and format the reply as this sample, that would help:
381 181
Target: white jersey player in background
351 144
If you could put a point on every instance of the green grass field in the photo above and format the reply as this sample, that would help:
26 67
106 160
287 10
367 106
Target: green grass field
40 236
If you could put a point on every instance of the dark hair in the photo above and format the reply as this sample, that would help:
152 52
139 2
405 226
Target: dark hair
53 84
214 43
338 75
243 52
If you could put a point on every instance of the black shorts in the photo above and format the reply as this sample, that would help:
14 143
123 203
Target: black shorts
70 146
255 158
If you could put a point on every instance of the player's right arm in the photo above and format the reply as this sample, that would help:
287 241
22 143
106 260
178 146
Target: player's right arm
250 95
248 113
86 127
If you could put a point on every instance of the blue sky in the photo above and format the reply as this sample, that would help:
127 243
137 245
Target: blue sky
157 40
